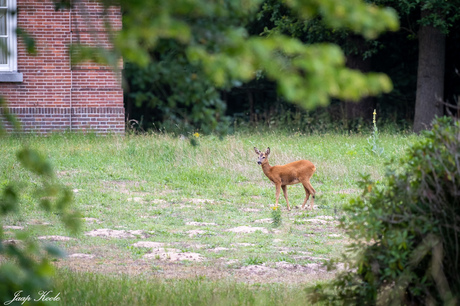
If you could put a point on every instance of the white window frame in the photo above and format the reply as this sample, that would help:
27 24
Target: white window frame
12 42
11 24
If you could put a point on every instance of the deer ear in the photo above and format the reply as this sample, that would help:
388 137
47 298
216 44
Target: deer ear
256 150
268 151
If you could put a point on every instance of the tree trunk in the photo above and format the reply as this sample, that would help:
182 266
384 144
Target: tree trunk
430 76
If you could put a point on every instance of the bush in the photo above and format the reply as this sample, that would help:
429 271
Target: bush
406 231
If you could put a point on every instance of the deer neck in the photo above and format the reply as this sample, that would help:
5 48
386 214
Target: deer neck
266 169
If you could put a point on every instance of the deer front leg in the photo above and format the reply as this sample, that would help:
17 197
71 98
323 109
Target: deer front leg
286 196
278 187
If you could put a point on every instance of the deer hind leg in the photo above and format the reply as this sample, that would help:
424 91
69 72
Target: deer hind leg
311 191
286 196
307 195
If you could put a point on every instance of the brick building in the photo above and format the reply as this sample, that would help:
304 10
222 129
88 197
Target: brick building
44 91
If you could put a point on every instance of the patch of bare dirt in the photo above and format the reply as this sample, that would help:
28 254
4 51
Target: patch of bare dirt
320 220
200 223
251 209
56 238
192 233
159 201
135 199
148 244
257 269
296 267
170 254
200 201
173 268
218 249
247 229
13 227
38 222
125 187
243 244
185 245
111 233
348 191
92 220
67 173
160 252
81 255
266 220
11 241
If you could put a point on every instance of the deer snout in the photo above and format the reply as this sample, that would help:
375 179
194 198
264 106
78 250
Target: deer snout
259 162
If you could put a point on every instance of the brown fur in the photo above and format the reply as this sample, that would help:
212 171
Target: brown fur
296 172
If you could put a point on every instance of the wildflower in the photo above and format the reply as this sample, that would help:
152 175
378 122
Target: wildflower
274 208
196 135
375 114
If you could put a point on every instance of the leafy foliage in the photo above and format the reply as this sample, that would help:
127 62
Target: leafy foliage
215 43
405 230
176 92
442 14
25 263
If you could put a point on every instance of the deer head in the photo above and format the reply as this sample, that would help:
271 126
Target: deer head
263 157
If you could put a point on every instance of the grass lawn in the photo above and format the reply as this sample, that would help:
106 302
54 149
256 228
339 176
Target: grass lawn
164 220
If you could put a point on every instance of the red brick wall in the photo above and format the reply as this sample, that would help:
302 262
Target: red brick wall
55 96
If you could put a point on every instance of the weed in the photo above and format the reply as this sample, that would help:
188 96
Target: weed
373 140
276 216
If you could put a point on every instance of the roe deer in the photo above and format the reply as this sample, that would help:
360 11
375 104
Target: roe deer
296 172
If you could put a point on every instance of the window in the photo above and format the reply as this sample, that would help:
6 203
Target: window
8 42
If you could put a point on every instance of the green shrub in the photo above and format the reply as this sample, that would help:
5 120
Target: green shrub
406 230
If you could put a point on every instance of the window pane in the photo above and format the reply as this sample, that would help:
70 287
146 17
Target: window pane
2 21
3 39
3 51
2 2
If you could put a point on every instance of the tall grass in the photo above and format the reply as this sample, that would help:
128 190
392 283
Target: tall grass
97 289
212 168
167 173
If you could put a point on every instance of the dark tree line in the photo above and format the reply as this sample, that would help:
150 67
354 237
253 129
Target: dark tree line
420 59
